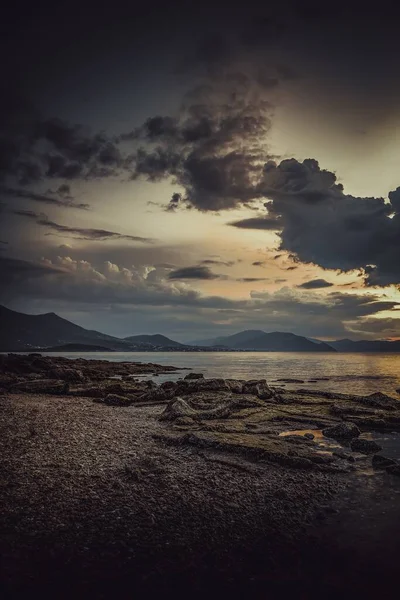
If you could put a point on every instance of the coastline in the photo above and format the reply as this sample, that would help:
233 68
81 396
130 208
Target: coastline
99 501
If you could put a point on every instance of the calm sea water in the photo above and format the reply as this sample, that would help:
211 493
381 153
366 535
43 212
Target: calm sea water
347 373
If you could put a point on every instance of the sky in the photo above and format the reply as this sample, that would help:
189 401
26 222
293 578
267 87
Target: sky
196 170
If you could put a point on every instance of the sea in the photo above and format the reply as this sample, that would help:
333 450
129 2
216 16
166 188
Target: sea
349 373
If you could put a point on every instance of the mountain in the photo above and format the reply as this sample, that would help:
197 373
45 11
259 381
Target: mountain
366 345
276 341
157 340
21 332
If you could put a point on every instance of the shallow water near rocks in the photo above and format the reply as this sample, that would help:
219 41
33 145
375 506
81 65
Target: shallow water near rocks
390 443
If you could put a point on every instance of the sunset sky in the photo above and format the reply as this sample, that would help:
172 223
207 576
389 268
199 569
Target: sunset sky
196 170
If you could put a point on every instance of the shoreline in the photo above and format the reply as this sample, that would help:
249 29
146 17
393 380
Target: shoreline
103 497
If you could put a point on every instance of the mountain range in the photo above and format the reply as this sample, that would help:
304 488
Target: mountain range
22 332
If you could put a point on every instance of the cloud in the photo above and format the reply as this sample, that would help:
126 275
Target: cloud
43 198
195 272
268 223
82 233
323 225
108 288
252 279
314 284
228 263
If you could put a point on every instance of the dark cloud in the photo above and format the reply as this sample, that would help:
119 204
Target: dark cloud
315 284
252 279
43 198
213 148
195 272
13 271
82 233
323 225
210 261
268 223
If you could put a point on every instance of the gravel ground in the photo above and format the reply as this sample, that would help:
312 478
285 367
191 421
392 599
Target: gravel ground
95 506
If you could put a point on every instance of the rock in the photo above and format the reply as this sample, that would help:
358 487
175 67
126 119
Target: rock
71 375
234 385
116 400
185 421
157 395
250 386
194 376
264 392
365 446
41 386
177 408
342 454
382 462
169 385
212 385
289 380
342 431
379 400
309 436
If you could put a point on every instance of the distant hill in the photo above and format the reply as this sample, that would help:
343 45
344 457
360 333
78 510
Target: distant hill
276 341
77 348
366 345
19 332
157 340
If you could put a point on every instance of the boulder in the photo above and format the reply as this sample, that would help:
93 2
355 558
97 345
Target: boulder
379 400
263 391
209 385
194 376
344 430
234 385
365 446
177 408
71 375
117 400
250 386
41 386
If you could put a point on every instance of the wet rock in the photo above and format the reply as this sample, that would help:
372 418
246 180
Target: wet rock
382 462
194 376
344 455
289 380
342 431
309 436
116 400
41 386
365 446
157 395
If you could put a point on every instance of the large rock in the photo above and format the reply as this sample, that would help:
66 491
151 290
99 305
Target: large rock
41 386
379 400
342 431
365 446
71 375
194 376
204 385
176 409
117 400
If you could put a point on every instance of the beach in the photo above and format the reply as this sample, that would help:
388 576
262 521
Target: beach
104 500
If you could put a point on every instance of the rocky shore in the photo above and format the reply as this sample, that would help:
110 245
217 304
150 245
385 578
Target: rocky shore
115 486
